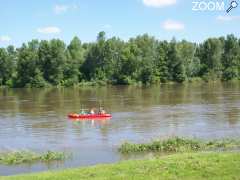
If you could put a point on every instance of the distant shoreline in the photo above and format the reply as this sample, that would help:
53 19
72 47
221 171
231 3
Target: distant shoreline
143 60
139 84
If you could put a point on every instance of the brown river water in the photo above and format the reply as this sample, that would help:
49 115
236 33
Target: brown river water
36 119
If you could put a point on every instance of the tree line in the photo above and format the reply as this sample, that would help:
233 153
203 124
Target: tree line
143 59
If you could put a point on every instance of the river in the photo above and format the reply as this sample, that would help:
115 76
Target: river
36 119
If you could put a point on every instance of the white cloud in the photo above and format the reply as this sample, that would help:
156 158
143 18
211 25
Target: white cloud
107 26
228 18
159 3
58 9
49 30
5 38
173 25
63 8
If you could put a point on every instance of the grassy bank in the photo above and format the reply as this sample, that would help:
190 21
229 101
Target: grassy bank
178 166
177 144
20 157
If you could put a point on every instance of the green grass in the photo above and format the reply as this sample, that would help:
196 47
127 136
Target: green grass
179 166
20 157
177 144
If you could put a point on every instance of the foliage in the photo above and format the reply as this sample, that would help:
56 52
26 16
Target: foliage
6 65
20 157
231 58
142 59
177 144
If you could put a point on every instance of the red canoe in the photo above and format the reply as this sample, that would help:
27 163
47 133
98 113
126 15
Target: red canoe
89 116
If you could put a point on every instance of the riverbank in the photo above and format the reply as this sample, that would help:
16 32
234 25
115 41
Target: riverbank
99 83
178 166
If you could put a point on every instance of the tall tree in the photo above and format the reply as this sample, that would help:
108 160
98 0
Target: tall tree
146 55
187 54
175 63
52 58
125 65
6 67
210 57
28 72
231 58
93 66
74 60
161 62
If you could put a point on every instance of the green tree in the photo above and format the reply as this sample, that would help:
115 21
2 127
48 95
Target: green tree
175 63
52 59
99 59
145 53
28 72
125 66
210 55
231 58
74 59
187 52
6 67
161 62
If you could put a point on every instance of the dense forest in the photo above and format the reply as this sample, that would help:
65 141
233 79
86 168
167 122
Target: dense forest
143 60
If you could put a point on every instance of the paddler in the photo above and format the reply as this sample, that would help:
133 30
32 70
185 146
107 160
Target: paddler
102 111
92 111
82 112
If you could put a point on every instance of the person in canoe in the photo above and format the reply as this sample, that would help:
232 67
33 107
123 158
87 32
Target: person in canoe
92 111
82 112
101 111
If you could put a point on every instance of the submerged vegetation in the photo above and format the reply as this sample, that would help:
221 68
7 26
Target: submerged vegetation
140 60
179 166
20 157
177 144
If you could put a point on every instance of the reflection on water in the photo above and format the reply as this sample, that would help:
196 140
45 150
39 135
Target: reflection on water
36 119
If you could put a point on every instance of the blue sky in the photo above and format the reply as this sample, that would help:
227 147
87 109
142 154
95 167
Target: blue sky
24 20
